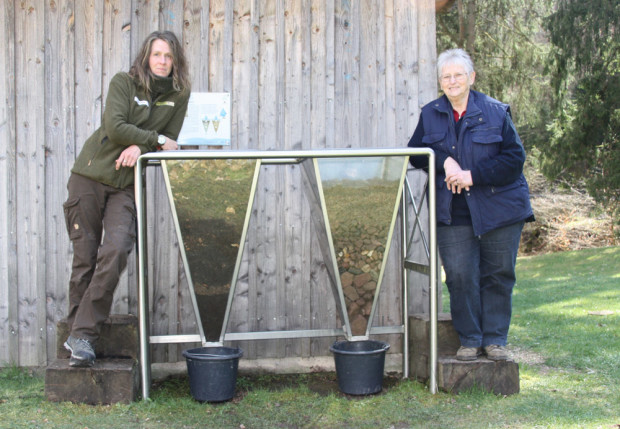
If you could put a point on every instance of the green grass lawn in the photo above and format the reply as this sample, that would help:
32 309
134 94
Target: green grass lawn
565 333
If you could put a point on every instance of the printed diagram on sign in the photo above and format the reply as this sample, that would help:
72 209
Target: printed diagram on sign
214 120
207 121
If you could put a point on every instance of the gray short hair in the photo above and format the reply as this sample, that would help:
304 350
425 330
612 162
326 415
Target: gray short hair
454 56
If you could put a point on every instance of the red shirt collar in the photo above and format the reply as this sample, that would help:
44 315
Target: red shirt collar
456 115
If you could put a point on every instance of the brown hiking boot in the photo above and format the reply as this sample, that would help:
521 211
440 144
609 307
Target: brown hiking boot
468 353
495 352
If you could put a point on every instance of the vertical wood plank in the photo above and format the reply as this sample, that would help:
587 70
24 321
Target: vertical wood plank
244 75
30 168
389 304
163 245
60 154
427 54
220 46
295 111
413 65
116 46
171 14
194 38
166 267
186 322
116 40
280 230
259 246
252 140
347 91
145 18
368 100
322 307
88 69
262 274
244 99
406 76
193 34
383 138
196 42
418 284
88 90
389 118
318 73
9 286
302 242
166 281
330 73
274 197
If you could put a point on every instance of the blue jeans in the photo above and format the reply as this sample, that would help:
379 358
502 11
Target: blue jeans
480 274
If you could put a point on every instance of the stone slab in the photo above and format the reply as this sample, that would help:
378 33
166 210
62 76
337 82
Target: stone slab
109 381
119 338
499 377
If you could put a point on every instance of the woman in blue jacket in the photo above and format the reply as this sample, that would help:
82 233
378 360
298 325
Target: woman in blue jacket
482 203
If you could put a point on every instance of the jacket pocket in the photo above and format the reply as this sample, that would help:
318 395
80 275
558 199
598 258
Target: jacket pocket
486 142
73 222
435 141
503 205
490 191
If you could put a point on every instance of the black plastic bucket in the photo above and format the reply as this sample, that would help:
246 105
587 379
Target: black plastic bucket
359 365
212 372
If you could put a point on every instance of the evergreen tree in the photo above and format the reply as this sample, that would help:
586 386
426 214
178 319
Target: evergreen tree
509 48
585 70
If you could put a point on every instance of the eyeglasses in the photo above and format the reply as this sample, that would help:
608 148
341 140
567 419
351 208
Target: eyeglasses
459 77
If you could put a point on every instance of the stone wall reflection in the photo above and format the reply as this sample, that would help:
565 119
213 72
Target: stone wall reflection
360 213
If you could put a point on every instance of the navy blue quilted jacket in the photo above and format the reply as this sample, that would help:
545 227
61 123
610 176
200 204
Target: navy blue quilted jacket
490 148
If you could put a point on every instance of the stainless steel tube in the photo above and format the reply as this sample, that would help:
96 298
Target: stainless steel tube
278 157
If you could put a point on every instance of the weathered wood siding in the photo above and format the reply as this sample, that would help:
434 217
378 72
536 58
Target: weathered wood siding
302 74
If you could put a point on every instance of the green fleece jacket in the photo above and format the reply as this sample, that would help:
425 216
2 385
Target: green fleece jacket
130 117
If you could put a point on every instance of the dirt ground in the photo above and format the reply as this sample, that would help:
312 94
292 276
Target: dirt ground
566 219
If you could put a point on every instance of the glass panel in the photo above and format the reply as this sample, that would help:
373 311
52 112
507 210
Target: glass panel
211 199
360 197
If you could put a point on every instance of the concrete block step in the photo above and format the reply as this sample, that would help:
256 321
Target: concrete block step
119 338
108 381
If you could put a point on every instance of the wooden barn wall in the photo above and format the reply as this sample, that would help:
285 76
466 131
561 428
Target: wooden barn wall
303 74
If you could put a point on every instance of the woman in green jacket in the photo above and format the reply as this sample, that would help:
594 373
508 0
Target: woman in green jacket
144 112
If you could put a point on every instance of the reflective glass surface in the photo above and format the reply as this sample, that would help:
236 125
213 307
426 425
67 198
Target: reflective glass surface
211 200
360 197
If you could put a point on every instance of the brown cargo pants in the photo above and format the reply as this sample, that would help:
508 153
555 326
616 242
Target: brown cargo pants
94 211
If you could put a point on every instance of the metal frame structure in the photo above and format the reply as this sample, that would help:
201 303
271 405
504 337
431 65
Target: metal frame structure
292 157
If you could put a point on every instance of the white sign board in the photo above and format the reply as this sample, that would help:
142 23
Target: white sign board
207 121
